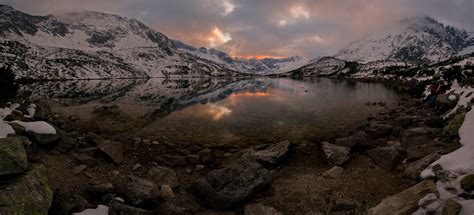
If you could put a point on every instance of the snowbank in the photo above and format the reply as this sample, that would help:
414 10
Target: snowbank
100 210
457 164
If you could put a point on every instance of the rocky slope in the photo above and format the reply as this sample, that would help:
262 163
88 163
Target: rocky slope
415 40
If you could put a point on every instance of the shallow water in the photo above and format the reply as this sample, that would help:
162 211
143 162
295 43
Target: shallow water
217 111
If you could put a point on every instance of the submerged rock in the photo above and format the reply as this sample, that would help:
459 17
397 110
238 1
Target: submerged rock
235 182
405 202
13 158
335 155
386 157
28 194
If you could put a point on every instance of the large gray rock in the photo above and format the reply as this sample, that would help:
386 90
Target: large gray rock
163 176
386 157
416 136
233 183
357 139
405 202
260 209
335 155
376 130
413 170
13 158
45 139
272 154
139 191
28 194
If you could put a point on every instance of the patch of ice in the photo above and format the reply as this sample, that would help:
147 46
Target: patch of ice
39 127
100 210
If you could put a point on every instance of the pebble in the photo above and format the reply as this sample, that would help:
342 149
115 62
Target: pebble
188 170
155 142
146 141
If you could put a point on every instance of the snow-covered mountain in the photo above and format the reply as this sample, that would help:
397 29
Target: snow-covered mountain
415 40
91 45
261 66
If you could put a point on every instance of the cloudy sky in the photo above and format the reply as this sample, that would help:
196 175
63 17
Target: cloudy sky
278 28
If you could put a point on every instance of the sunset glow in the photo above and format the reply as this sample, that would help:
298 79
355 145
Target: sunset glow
217 37
258 57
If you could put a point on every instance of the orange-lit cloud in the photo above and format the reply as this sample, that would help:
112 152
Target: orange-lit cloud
294 14
217 37
217 111
249 94
258 57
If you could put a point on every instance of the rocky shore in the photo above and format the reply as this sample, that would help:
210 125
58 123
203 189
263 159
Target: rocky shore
73 172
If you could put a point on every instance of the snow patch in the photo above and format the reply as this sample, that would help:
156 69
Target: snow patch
100 210
39 127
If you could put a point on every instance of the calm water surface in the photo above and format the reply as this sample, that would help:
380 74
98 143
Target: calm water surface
217 111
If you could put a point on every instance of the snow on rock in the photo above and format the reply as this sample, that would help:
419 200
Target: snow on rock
5 129
457 164
100 210
39 127
467 94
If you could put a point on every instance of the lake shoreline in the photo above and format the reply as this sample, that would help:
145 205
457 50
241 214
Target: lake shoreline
88 170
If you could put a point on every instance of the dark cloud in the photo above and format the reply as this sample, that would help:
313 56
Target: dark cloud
266 27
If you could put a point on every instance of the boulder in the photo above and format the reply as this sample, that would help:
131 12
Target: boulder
13 158
435 122
233 183
413 170
113 150
45 139
444 103
28 194
120 208
357 139
405 202
403 121
272 154
260 209
451 207
467 183
139 191
65 203
376 130
335 155
416 136
334 173
163 176
174 160
386 157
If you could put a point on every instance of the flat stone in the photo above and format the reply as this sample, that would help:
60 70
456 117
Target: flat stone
260 209
78 169
101 189
163 176
86 159
13 158
334 173
376 130
416 136
414 169
405 202
174 160
335 155
114 150
272 154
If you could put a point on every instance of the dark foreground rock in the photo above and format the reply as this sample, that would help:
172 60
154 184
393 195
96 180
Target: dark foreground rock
163 176
29 194
273 154
114 150
119 208
13 158
386 157
65 203
233 183
405 202
139 191
260 209
413 170
335 155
